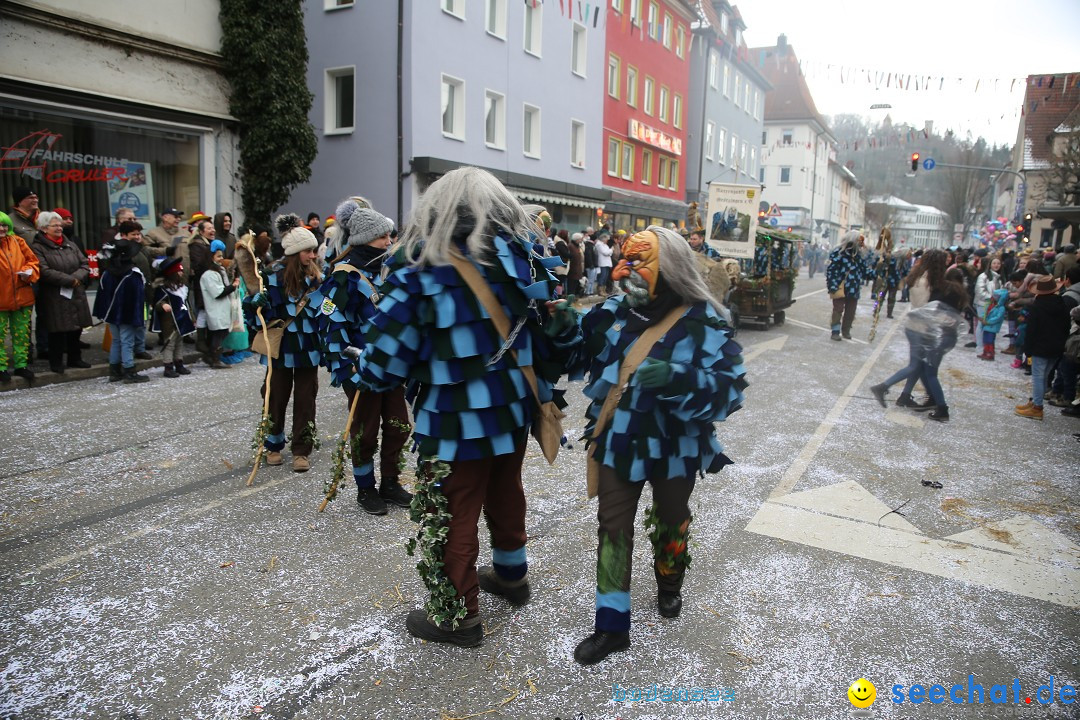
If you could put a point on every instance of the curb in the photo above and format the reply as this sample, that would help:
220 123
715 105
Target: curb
48 377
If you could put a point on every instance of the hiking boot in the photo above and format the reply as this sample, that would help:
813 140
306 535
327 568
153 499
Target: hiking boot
300 463
116 372
905 401
599 645
392 492
273 457
170 371
669 603
181 369
940 413
1025 406
971 344
420 626
928 404
1057 401
835 336
1035 412
132 377
369 501
846 336
878 392
25 373
517 592
1011 350
1071 411
143 356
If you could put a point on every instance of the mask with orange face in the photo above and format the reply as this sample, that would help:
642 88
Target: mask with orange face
639 268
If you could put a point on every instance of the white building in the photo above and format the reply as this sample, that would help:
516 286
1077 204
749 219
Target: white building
912 225
108 103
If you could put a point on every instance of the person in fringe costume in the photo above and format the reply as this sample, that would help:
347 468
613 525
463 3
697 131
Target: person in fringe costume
296 369
656 425
844 276
471 403
886 273
346 299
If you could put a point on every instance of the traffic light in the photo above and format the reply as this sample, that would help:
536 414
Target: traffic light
914 162
1025 229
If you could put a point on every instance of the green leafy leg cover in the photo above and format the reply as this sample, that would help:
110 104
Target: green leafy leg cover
612 564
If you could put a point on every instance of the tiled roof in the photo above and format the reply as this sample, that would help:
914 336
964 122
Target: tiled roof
1046 109
790 98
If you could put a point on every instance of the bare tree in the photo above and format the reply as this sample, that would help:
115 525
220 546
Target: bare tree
1060 185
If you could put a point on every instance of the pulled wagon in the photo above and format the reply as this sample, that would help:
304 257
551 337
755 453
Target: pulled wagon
767 285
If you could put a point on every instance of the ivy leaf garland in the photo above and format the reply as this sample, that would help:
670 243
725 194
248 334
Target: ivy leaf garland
429 509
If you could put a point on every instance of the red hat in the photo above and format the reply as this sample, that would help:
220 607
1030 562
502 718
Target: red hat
65 214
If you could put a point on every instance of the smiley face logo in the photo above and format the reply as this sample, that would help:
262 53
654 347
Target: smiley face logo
862 693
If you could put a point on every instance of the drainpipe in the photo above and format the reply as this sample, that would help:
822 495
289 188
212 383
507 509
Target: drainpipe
400 119
704 115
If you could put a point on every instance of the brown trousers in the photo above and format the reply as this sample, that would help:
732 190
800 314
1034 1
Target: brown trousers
493 485
371 408
303 384
843 308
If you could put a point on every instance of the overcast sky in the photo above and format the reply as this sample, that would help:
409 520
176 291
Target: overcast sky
970 39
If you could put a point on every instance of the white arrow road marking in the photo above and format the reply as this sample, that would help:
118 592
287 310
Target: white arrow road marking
1024 536
754 350
800 323
847 499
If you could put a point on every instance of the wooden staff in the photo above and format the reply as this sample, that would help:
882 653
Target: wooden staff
269 373
345 439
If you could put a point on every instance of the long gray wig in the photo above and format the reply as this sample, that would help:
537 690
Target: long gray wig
679 268
465 200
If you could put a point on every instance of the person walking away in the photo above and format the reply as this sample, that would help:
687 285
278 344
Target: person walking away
217 294
296 368
346 299
844 280
1044 340
121 298
61 306
19 270
170 315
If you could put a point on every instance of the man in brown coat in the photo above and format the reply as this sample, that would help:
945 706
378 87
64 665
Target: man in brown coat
166 235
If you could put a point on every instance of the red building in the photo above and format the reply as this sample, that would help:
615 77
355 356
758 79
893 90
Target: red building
645 111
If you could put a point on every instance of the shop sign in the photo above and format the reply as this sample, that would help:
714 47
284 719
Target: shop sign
30 156
657 138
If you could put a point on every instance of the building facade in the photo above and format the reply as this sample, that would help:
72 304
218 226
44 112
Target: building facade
727 104
645 111
98 109
515 88
918 226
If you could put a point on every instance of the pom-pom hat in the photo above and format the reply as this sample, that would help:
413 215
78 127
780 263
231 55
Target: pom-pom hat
366 225
294 236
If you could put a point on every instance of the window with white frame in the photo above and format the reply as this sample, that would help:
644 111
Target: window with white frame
785 175
577 143
787 136
627 165
746 98
613 151
530 129
727 80
654 21
757 105
732 149
454 7
336 4
495 20
534 24
763 137
648 95
667 31
631 86
635 12
714 70
723 22
680 42
753 162
673 175
710 133
453 107
646 167
676 110
613 78
721 146
495 119
743 160
662 173
738 88
617 5
577 50
663 103
761 174
339 86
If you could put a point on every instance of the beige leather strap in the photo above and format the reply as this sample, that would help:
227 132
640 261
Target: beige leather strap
483 293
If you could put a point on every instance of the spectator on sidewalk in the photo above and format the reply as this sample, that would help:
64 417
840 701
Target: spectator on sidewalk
988 281
592 270
109 234
1065 260
171 317
19 270
61 300
69 227
223 224
222 314
167 235
24 213
603 263
1044 340
121 300
576 274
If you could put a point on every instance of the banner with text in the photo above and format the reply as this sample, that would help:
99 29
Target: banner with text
732 218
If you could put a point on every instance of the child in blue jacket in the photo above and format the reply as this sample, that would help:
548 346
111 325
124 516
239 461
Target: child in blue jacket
992 320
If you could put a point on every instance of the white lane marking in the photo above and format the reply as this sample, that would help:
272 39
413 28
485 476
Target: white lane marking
903 418
753 351
800 297
1024 536
847 499
944 558
205 507
800 323
798 468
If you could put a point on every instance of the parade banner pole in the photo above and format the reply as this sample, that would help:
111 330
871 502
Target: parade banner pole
343 443
260 432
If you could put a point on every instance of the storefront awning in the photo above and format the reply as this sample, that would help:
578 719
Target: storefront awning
640 204
1070 213
551 199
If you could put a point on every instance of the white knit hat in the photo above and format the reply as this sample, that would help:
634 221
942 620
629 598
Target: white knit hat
366 225
294 236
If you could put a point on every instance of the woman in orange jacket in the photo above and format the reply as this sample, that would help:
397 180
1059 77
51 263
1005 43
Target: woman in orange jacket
18 273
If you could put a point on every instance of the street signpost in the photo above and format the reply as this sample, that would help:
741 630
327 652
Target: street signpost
929 164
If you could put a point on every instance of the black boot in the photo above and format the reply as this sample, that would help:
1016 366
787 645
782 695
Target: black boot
669 603
5 377
131 376
878 391
940 413
181 369
516 594
905 401
27 373
201 344
420 626
392 492
116 372
370 502
928 404
170 371
599 645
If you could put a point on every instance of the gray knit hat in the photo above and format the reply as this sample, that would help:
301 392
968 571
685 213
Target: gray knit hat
366 225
